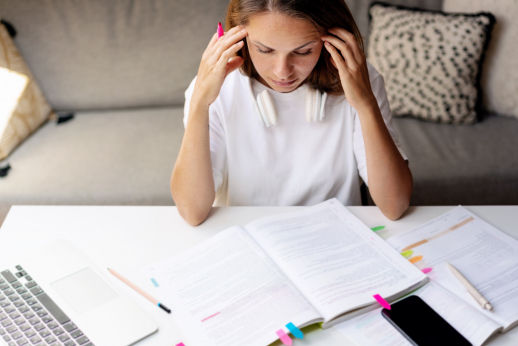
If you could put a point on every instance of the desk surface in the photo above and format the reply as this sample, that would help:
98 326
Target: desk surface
126 238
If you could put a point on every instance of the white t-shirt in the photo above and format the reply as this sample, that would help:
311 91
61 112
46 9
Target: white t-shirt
293 162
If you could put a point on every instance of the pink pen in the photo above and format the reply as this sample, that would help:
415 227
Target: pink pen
220 30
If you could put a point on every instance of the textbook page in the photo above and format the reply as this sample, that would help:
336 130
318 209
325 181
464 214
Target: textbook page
487 257
334 259
373 329
226 291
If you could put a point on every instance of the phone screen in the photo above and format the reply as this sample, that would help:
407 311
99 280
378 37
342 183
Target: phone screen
421 325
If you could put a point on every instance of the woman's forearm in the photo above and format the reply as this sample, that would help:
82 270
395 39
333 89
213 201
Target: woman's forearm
192 184
390 179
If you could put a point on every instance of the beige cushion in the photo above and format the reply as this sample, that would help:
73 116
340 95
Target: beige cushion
430 61
500 72
23 107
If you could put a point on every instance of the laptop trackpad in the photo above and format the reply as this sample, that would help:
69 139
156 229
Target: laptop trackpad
83 291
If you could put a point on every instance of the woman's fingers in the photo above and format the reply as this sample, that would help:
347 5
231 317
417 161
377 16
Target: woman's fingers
339 62
344 48
350 39
212 41
226 41
233 64
229 53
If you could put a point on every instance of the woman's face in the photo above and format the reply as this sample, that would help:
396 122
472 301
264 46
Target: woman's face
284 50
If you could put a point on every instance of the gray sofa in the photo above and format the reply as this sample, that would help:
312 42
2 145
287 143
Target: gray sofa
122 66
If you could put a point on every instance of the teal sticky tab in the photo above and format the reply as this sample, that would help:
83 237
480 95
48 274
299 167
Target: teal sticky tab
296 332
379 228
154 282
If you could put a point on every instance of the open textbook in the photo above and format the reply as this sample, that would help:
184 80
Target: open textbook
487 257
320 264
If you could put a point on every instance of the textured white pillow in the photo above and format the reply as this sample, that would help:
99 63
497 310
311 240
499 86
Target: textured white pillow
500 71
430 61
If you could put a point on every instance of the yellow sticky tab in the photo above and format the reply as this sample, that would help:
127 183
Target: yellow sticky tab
407 254
415 259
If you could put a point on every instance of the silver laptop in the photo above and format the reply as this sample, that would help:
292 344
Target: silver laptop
55 296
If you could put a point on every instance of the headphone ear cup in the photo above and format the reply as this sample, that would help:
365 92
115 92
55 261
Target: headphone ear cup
267 108
258 110
310 102
322 107
262 112
313 101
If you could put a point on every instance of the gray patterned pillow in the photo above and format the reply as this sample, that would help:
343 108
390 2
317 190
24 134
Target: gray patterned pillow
431 61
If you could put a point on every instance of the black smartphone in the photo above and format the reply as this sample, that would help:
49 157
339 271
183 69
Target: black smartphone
421 325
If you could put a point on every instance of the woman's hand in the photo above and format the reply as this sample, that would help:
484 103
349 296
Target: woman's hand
215 64
352 67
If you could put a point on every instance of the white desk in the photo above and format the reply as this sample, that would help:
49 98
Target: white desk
124 238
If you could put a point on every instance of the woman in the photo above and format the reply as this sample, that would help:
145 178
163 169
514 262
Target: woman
290 48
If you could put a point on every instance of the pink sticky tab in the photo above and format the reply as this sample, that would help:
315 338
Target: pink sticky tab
427 270
180 344
382 301
286 340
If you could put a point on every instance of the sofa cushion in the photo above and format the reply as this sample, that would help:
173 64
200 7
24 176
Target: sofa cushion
470 165
99 158
500 72
105 54
23 107
431 61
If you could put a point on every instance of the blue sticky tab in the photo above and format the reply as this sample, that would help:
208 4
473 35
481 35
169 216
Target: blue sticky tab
154 282
296 332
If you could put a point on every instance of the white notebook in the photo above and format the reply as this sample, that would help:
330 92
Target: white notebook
320 264
487 257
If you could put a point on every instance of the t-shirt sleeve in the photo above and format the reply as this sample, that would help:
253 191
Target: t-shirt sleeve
217 137
378 88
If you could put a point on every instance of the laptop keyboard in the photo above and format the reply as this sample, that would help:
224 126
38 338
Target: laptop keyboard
28 316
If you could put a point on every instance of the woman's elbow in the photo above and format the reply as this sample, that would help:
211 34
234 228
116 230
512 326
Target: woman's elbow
193 217
192 211
396 212
396 209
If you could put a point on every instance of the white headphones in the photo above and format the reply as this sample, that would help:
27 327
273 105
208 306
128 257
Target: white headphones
265 107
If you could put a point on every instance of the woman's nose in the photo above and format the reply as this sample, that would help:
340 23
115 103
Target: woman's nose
283 68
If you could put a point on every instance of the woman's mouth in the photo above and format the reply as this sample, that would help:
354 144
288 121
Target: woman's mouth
284 84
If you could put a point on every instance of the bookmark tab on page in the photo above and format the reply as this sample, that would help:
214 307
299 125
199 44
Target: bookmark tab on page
379 228
180 344
296 332
427 270
286 340
382 301
407 254
415 259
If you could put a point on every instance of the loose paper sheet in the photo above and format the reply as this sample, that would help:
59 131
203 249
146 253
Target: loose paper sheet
487 257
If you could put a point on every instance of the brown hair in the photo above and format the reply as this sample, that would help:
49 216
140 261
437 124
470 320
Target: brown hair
323 14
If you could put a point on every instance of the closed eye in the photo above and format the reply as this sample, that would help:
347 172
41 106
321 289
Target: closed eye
303 54
296 53
264 51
